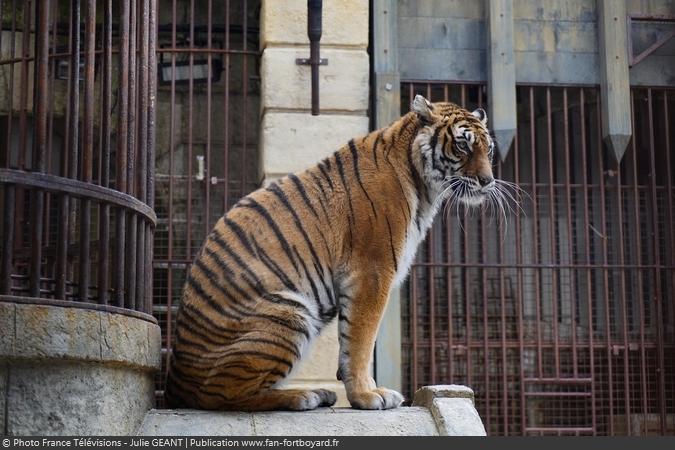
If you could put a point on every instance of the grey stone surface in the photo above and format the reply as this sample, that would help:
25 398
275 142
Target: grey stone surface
187 422
7 319
452 408
3 395
457 417
347 422
55 332
74 371
74 398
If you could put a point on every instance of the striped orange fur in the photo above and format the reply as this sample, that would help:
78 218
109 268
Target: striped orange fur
330 241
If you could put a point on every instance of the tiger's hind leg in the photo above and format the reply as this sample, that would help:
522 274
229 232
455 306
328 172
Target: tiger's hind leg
286 399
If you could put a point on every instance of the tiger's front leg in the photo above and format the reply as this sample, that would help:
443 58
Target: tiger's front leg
359 319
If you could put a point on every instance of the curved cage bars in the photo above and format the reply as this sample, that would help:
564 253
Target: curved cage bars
77 120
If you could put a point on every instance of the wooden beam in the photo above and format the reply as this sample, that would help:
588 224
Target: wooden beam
387 84
614 75
501 74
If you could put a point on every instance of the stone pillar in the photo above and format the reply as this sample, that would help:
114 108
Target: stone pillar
291 138
68 370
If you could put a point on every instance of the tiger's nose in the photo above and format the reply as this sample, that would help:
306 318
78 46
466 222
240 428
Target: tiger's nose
485 180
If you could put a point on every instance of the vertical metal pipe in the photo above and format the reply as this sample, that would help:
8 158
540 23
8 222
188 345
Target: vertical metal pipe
104 214
143 99
132 170
314 8
87 148
121 163
152 105
41 99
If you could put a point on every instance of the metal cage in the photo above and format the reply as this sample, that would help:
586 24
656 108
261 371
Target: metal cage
562 317
77 143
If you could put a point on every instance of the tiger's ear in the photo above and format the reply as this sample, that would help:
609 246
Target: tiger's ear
422 108
481 115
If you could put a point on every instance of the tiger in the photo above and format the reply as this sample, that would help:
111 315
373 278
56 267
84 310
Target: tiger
333 240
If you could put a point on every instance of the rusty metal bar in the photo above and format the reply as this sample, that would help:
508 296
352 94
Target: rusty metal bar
152 126
121 163
188 216
6 266
570 246
535 228
431 288
172 148
413 299
552 229
87 148
132 156
448 272
41 100
600 173
519 289
670 201
104 209
207 168
226 110
587 252
244 80
142 170
657 273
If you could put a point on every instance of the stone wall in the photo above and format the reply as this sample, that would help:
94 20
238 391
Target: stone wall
291 138
68 371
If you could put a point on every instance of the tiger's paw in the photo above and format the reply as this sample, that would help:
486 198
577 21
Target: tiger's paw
308 400
378 398
328 398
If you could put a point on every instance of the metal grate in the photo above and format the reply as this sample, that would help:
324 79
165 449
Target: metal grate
562 319
77 152
207 150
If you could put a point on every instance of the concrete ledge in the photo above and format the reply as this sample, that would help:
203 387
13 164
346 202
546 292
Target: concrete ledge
320 422
452 409
448 411
29 331
73 371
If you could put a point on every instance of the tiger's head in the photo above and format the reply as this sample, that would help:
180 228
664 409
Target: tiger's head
456 150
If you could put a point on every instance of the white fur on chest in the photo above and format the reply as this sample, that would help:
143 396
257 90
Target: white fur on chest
414 236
